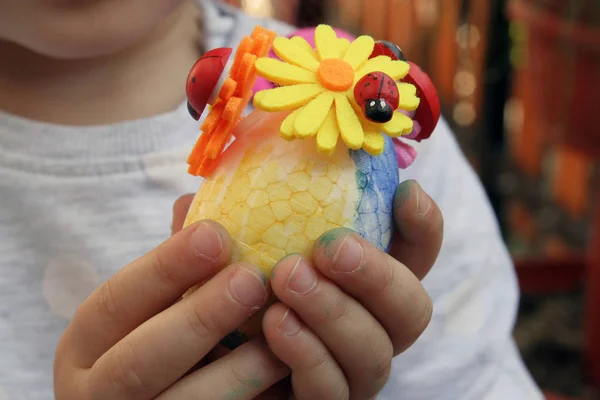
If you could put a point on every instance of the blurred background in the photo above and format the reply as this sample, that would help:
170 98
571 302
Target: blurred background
519 81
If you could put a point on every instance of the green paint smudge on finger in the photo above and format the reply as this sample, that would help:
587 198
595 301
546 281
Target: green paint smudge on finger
327 239
246 387
403 193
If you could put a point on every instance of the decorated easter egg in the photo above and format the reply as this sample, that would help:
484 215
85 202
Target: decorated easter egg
276 197
311 160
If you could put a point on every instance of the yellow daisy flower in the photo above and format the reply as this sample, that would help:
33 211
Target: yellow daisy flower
317 85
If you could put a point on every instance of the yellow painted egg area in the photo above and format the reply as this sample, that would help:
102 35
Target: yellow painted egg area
276 197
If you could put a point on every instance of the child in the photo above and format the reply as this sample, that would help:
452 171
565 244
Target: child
93 137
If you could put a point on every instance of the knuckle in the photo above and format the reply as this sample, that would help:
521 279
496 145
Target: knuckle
386 278
342 392
205 322
422 319
427 314
316 361
107 303
238 377
124 374
242 380
338 309
381 368
413 330
319 363
163 269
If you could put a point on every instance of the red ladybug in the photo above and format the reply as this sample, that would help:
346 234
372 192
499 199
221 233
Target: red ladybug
206 79
377 95
385 48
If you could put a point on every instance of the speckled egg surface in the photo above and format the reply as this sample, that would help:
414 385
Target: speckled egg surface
277 197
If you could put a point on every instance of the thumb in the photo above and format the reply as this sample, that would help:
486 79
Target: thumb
419 228
180 210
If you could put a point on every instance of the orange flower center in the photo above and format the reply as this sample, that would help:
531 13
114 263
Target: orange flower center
335 74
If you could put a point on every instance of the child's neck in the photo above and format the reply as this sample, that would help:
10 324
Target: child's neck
143 81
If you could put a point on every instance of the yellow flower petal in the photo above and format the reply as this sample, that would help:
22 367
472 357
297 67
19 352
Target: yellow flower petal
408 97
398 126
409 103
407 89
374 64
328 134
287 97
302 43
344 45
293 54
374 143
286 129
359 51
349 124
282 73
312 115
326 42
395 69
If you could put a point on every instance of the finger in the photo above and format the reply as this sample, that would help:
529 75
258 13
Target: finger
315 373
180 209
384 286
243 374
353 336
419 228
144 288
165 347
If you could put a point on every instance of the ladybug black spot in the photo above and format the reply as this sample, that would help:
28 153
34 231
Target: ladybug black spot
367 84
193 79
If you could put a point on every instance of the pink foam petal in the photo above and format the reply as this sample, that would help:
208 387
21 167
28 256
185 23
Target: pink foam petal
406 154
414 134
261 84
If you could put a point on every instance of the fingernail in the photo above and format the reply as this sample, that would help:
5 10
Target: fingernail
248 287
289 324
423 202
302 278
206 241
349 256
275 267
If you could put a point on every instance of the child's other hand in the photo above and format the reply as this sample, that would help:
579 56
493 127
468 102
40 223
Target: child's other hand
342 318
131 339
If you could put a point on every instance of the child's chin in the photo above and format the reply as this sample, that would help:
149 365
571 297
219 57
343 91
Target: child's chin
74 48
87 32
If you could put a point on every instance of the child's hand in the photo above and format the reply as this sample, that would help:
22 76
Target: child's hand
342 328
342 318
129 340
